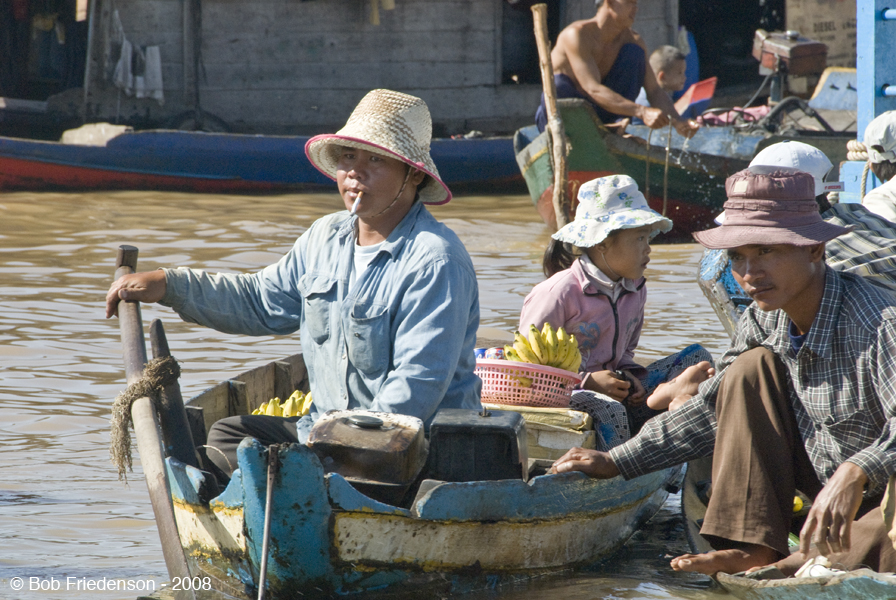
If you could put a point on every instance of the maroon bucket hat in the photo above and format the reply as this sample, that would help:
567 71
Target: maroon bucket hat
770 205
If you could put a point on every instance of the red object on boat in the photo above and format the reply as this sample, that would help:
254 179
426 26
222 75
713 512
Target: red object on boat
696 99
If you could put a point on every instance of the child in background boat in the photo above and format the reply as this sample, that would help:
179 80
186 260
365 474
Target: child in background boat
669 63
598 294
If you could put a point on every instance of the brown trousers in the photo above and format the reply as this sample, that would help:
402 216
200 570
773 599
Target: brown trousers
760 461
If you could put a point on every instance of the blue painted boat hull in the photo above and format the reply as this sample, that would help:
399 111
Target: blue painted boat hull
328 536
223 163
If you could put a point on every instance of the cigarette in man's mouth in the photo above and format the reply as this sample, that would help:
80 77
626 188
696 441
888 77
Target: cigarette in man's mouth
355 205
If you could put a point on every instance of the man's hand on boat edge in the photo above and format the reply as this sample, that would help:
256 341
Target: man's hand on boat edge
149 286
590 462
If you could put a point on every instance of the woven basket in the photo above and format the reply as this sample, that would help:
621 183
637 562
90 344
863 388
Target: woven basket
525 384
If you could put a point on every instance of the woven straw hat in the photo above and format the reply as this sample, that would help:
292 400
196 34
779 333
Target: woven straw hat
605 205
391 124
770 205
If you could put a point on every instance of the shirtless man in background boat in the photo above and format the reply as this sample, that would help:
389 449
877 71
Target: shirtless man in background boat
384 296
604 61
804 398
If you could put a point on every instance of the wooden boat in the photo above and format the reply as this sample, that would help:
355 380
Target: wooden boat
222 163
327 534
860 583
691 194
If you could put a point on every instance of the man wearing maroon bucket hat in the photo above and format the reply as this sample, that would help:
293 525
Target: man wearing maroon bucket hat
805 397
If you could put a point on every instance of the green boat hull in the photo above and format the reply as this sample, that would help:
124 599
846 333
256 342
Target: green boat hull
687 183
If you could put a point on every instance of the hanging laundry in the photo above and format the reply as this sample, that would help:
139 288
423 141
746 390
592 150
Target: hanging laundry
123 77
152 78
138 71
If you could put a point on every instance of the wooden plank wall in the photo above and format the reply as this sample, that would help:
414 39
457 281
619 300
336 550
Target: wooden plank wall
291 66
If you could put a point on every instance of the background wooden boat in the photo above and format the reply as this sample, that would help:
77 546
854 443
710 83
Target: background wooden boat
861 583
327 535
697 167
223 163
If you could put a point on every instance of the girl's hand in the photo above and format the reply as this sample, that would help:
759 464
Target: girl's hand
639 395
606 382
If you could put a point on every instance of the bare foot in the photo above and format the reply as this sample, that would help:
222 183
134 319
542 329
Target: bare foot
726 561
679 390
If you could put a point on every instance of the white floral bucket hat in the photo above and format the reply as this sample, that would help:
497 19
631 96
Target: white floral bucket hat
605 205
391 124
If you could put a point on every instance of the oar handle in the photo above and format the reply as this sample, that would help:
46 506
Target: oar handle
146 429
130 319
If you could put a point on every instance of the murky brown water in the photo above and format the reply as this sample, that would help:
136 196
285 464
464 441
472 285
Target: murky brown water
63 513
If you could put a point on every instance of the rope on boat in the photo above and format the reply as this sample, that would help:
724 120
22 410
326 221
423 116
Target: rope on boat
856 150
158 373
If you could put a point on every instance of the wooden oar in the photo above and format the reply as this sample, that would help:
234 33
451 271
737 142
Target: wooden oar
146 428
555 124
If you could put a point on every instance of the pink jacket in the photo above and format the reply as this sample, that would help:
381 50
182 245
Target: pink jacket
607 331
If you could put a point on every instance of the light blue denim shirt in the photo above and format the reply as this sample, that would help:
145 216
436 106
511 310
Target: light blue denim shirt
400 340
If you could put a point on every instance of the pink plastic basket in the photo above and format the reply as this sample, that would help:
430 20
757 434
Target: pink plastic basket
507 382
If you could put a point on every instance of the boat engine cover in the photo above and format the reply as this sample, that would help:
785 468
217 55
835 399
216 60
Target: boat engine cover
471 445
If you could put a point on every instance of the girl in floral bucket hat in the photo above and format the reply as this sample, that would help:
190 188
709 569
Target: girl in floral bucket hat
597 293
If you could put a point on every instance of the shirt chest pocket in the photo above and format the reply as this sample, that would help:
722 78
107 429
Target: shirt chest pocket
853 432
368 338
319 296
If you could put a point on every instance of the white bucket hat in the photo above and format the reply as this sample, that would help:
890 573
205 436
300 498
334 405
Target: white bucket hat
799 156
881 132
388 123
791 154
605 205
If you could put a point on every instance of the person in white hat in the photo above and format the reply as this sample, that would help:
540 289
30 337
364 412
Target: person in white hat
384 297
869 249
598 295
880 140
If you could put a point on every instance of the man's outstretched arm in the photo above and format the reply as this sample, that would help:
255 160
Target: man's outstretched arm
580 51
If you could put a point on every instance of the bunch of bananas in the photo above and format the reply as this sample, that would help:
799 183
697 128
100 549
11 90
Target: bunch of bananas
297 405
546 347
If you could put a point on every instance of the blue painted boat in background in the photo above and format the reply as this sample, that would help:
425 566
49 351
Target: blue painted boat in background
224 163
328 538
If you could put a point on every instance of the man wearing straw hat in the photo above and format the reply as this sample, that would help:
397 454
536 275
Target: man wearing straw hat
384 297
805 397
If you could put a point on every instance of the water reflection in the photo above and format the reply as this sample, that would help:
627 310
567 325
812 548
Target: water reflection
63 511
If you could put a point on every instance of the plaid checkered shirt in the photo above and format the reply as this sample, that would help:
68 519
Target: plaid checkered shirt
843 387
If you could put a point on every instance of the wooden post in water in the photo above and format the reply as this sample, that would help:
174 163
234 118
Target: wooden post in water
146 428
555 124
